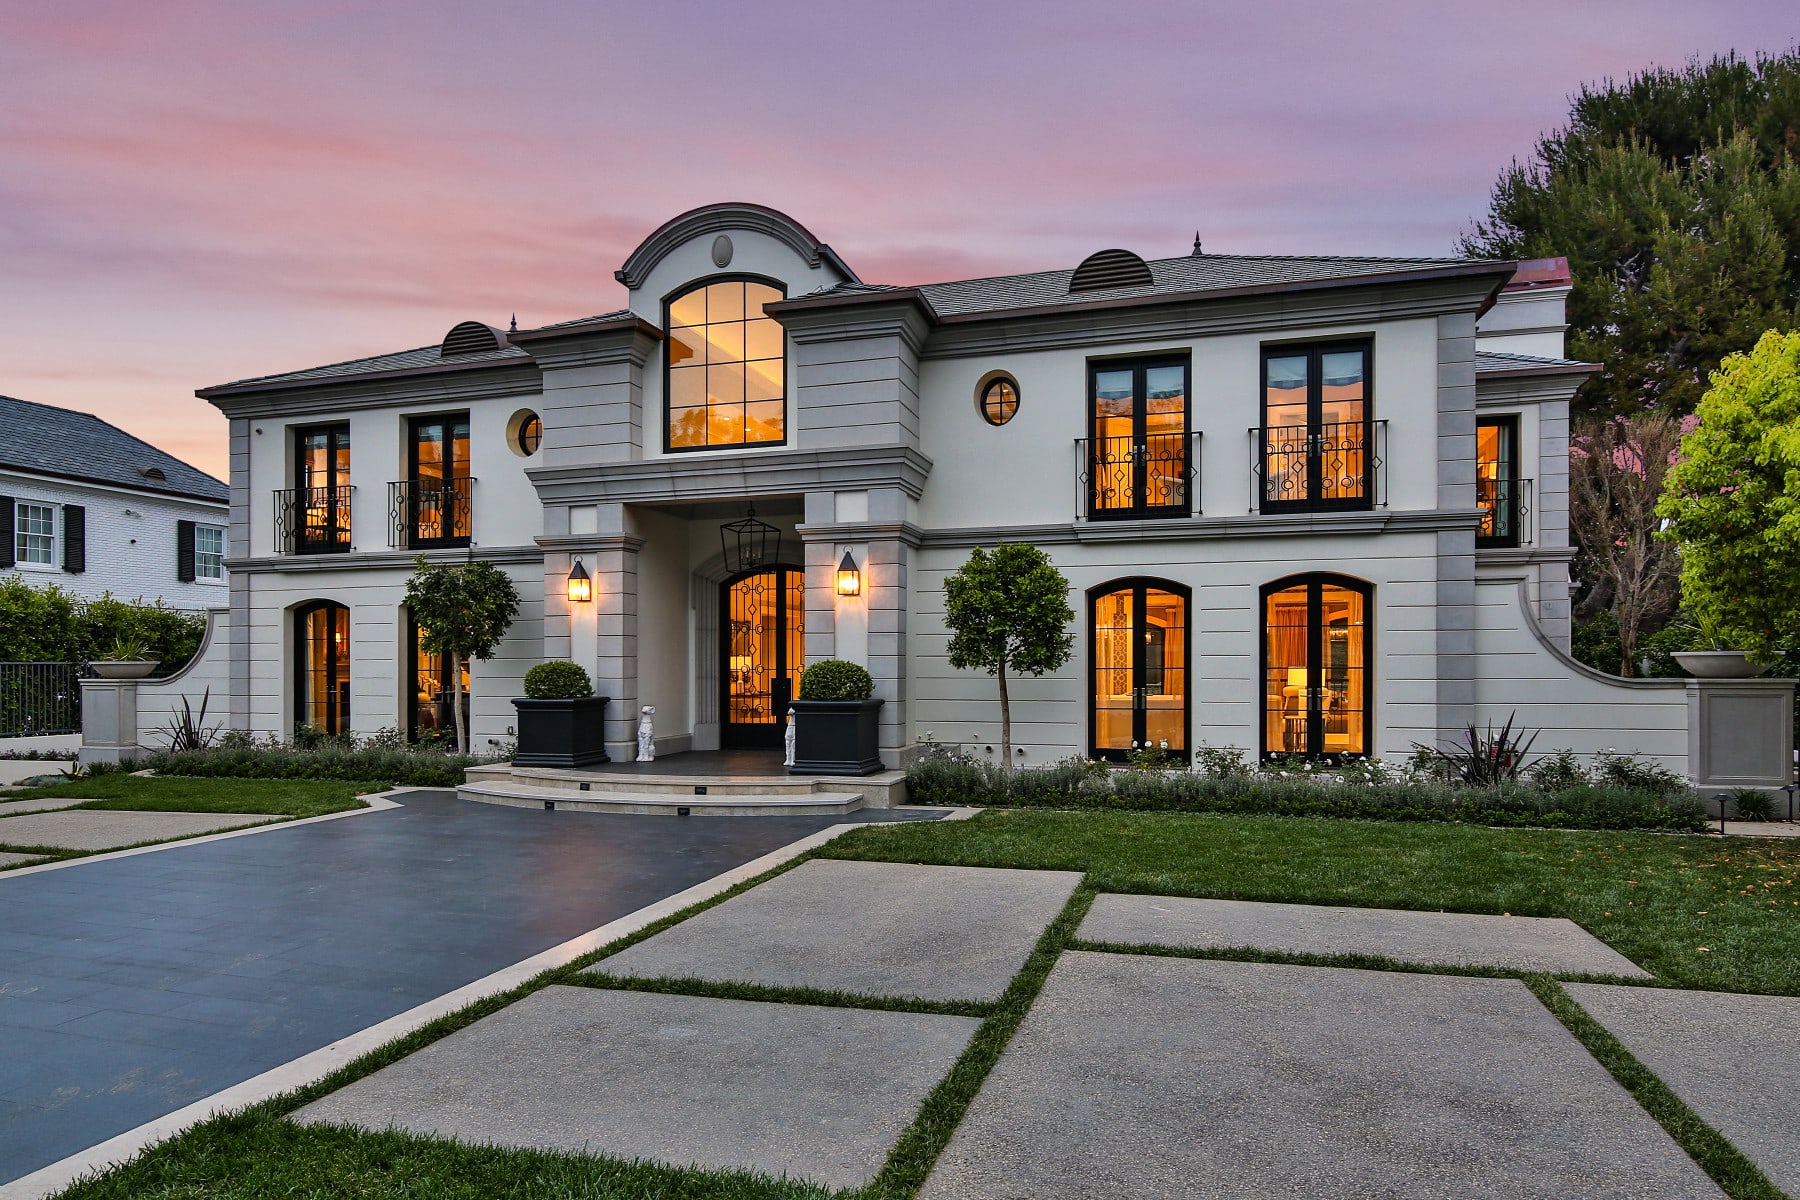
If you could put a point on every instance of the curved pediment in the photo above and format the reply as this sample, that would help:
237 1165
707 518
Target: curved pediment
715 219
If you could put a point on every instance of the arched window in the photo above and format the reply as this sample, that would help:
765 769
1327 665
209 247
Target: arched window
726 375
322 666
1137 668
1317 656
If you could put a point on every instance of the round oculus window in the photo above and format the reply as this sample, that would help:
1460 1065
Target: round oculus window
525 433
999 400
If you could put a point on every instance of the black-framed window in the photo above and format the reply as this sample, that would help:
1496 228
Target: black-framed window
437 510
1318 666
1318 430
530 435
1497 487
321 498
1138 680
724 366
322 666
999 399
1138 438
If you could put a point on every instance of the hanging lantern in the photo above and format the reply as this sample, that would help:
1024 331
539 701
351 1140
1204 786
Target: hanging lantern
581 585
749 543
849 579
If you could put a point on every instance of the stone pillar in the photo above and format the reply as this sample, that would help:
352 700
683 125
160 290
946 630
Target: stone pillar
109 720
1740 732
614 566
1455 598
821 575
886 588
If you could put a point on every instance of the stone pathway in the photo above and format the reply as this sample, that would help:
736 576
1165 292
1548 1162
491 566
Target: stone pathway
1431 938
876 929
111 829
819 1093
1734 1060
1765 829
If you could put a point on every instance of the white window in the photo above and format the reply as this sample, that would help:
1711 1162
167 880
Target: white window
34 532
209 552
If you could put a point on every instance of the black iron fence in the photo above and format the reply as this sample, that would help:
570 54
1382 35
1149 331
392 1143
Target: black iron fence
313 520
39 698
429 512
1332 465
1158 475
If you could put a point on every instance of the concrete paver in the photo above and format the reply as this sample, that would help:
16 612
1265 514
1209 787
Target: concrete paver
1446 939
872 928
1734 1060
803 1090
1153 1077
111 829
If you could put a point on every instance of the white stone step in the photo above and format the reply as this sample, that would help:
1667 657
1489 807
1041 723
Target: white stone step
717 802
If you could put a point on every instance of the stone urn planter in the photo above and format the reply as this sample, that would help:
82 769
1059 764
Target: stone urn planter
124 668
1719 664
836 737
561 733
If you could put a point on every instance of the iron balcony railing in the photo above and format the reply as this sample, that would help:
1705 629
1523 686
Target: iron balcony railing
313 520
429 512
1506 517
39 698
1338 465
1120 477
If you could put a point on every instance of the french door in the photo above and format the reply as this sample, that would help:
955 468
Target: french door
1138 453
1138 651
762 650
1316 656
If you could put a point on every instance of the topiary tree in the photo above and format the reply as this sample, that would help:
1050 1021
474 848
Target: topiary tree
1008 609
557 680
1733 501
463 611
835 679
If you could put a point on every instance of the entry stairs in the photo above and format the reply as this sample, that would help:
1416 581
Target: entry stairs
616 791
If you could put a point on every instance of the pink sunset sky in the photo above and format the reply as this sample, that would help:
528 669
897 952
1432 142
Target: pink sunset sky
192 193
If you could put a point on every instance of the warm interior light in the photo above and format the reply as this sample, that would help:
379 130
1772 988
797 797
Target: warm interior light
849 579
581 586
1296 677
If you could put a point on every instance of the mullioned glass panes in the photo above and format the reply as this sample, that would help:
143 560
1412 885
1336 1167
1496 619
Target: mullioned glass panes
727 367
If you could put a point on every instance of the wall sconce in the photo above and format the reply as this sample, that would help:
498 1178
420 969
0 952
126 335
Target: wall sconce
849 579
581 586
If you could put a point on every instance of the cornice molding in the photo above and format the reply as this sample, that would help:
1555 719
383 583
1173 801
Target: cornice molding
377 560
597 345
590 543
1251 525
724 218
461 384
685 479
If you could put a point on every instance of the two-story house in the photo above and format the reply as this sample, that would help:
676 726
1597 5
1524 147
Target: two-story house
1305 505
88 507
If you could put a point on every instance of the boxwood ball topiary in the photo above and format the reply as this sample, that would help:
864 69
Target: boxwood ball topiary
557 681
835 679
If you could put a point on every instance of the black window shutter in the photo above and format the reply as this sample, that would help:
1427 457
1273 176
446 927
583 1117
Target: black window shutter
6 531
184 551
74 538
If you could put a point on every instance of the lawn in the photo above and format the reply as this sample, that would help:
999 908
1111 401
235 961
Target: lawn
281 797
1704 912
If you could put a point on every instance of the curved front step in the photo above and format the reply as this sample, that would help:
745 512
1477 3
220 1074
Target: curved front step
715 804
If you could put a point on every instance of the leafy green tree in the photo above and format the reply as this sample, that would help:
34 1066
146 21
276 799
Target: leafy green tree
1733 501
1008 609
1676 197
463 611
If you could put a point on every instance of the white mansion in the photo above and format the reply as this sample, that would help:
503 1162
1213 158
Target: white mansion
1304 504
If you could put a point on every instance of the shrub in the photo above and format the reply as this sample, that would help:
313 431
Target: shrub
1754 805
557 681
1557 772
835 679
411 767
1486 759
1628 771
48 624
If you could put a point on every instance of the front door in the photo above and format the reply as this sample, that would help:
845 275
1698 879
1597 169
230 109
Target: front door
763 648
1139 662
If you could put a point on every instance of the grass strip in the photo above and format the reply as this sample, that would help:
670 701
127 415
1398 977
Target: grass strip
276 797
1724 1162
921 1142
1354 962
822 997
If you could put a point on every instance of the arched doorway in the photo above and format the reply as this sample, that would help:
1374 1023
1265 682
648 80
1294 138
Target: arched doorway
762 648
1317 651
1138 676
322 666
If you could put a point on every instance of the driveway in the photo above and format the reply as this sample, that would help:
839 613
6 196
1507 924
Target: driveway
132 987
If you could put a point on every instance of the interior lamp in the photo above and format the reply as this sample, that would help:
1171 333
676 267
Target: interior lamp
849 579
581 585
1297 677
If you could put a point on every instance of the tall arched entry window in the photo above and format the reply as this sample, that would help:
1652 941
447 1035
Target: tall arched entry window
322 666
725 382
762 650
1138 668
1317 652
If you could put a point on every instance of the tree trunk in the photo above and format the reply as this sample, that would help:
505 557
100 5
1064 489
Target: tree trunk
1005 721
456 708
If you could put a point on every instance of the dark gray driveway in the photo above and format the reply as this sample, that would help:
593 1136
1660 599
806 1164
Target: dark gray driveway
132 987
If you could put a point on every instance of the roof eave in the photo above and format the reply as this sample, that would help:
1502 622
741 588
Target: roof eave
168 493
258 387
1546 369
585 328
899 295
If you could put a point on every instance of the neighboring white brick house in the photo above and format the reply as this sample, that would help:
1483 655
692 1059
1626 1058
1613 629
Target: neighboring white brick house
88 507
1304 504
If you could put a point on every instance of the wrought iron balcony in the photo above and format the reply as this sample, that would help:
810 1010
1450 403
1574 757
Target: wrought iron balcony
1505 506
1125 477
423 513
1318 468
313 520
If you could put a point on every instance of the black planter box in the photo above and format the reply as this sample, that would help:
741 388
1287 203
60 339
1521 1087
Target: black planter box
836 737
561 733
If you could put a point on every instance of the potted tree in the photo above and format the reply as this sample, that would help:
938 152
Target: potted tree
837 726
561 722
